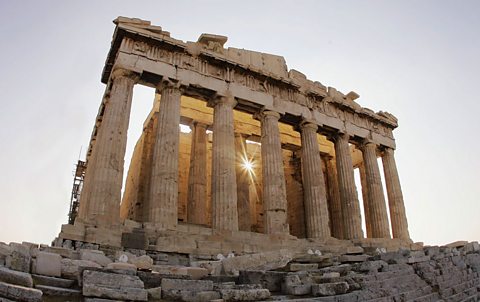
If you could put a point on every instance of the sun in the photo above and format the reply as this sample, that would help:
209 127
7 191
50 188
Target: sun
247 165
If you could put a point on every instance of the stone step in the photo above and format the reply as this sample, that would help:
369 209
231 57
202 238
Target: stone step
15 277
59 291
433 297
52 281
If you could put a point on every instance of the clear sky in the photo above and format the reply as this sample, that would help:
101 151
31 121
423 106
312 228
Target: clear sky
419 60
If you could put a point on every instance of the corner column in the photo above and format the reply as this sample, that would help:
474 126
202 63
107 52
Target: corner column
334 197
224 185
273 175
100 205
395 196
162 210
352 223
315 193
197 177
377 209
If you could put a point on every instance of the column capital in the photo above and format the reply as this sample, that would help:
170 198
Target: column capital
366 142
266 113
338 136
308 124
166 83
221 99
385 149
121 72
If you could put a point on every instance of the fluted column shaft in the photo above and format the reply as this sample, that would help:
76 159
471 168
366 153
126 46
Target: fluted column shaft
273 175
243 185
377 208
103 181
315 193
395 196
224 186
197 177
164 179
366 207
352 223
335 203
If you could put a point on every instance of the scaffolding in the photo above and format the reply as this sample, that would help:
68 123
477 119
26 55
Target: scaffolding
76 190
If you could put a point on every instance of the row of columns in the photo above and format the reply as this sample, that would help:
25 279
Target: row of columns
101 198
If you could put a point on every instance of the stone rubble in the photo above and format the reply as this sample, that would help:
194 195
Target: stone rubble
446 273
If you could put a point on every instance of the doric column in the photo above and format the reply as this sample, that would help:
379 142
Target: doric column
164 179
366 207
377 208
315 193
197 177
243 184
273 175
352 222
100 203
334 197
395 196
224 186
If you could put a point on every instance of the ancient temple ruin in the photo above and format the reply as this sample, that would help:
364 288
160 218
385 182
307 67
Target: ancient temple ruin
269 161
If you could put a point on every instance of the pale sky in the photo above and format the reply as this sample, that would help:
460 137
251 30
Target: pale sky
419 60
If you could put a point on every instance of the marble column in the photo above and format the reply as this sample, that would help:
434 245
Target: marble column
352 222
315 193
395 196
243 185
162 210
224 186
334 197
273 175
366 207
104 175
197 178
377 208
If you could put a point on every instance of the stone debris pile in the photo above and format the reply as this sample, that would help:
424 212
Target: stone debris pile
30 272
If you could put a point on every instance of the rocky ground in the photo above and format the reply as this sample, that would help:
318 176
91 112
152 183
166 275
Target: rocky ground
87 272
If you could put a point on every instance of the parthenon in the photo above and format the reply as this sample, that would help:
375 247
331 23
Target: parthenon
270 157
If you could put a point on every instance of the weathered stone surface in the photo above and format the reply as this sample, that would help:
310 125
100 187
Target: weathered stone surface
113 286
261 261
179 284
245 294
71 268
190 295
48 264
52 281
472 247
122 266
15 277
59 291
294 267
457 244
353 258
297 284
19 293
142 262
270 280
330 289
213 267
20 257
154 293
95 256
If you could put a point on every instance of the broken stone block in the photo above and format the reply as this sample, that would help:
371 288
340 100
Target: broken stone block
416 259
271 280
329 289
52 281
261 261
352 250
20 258
295 267
245 294
48 264
154 293
113 286
297 284
15 277
95 256
213 267
352 258
190 295
122 266
20 293
180 284
142 262
196 273
59 291
457 244
472 247
71 268
5 251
